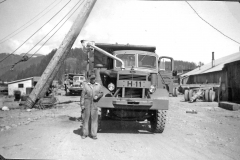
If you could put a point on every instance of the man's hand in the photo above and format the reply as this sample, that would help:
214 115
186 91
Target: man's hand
82 107
95 97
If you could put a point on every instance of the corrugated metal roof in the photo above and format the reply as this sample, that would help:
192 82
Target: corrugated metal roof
219 64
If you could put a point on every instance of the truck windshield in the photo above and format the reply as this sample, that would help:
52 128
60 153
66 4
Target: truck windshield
75 79
146 61
128 59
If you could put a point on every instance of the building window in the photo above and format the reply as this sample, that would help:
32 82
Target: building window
20 85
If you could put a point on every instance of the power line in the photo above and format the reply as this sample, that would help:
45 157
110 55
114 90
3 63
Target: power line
56 31
55 27
35 32
6 38
211 25
26 59
3 1
29 21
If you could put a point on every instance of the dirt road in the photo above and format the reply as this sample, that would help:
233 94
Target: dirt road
212 133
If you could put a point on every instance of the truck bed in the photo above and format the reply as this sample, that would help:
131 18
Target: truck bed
114 47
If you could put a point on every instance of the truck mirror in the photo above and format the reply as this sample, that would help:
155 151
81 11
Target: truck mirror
174 73
86 45
165 64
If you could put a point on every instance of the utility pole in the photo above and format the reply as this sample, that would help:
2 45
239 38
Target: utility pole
51 70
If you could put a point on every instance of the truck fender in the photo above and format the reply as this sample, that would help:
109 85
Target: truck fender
105 91
160 93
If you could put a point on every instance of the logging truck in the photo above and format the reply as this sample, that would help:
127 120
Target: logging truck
136 82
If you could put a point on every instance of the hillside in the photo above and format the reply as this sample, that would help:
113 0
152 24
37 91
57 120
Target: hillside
35 55
74 63
5 65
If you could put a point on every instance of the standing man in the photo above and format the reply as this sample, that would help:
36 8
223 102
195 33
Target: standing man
88 102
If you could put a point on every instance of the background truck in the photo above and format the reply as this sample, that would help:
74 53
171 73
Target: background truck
134 86
208 92
74 83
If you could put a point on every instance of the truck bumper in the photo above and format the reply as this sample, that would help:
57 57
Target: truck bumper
136 103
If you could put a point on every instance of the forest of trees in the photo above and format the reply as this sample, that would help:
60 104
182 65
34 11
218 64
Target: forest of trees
5 66
183 65
36 69
75 62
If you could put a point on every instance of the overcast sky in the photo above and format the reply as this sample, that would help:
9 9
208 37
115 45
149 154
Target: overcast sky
172 26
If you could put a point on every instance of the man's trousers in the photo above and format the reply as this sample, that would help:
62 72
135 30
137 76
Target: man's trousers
90 121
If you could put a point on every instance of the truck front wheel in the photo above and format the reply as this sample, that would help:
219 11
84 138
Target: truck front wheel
99 119
158 121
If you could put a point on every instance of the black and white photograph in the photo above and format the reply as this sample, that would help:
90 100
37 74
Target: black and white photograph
120 79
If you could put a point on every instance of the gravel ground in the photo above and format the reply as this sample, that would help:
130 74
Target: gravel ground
212 133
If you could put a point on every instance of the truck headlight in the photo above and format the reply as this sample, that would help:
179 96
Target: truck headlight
152 89
111 87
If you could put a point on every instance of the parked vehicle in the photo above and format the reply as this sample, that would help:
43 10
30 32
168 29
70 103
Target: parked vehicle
136 82
73 83
207 92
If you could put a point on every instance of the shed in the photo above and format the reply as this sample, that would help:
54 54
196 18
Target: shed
21 85
233 81
228 68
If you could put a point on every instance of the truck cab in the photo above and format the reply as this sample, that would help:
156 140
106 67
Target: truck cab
78 80
74 85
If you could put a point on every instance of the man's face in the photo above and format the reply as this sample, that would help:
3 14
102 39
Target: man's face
92 80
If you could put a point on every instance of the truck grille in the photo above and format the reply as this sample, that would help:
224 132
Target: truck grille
133 77
133 92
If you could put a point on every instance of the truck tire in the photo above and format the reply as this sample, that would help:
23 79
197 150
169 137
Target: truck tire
190 94
186 97
68 93
212 95
103 113
99 119
174 92
158 121
206 95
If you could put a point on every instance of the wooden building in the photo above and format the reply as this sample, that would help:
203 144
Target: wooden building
22 85
228 68
233 81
